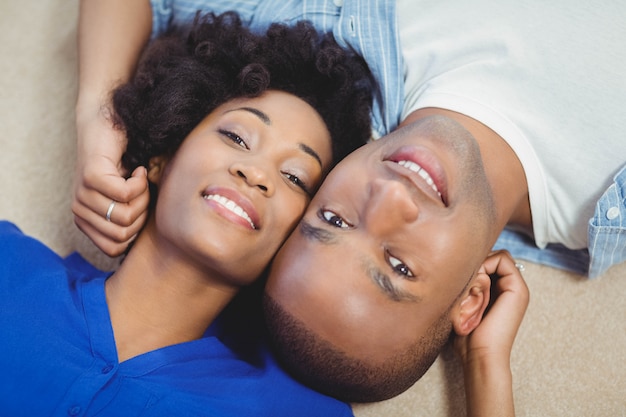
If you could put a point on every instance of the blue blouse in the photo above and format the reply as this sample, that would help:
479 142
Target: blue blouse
58 355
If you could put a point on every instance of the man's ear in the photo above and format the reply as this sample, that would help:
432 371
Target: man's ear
471 307
156 166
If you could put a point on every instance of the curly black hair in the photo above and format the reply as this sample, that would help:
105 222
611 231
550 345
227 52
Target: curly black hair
184 75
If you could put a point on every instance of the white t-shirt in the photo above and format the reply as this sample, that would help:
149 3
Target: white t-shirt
548 77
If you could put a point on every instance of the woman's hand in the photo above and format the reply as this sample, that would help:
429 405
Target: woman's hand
100 181
111 35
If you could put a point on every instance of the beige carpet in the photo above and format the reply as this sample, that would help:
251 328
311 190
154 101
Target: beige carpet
570 356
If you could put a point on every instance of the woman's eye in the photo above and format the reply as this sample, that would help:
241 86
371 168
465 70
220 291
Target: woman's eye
234 138
332 219
297 181
399 266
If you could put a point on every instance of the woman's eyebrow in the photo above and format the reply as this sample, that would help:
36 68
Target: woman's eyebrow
308 150
266 120
258 113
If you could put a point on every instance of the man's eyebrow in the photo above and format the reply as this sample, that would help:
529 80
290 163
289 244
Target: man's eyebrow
317 233
266 119
383 282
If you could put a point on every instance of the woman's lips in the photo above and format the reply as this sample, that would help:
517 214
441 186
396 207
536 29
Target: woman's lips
234 206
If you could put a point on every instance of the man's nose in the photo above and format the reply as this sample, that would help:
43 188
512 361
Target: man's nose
389 207
255 175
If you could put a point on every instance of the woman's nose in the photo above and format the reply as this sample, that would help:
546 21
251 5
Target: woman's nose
389 207
255 175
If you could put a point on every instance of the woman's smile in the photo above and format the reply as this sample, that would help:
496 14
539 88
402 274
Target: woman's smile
233 206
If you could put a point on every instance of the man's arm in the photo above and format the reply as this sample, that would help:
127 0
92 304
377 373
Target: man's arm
486 351
111 36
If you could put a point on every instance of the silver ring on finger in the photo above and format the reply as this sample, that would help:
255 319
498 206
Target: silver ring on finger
110 210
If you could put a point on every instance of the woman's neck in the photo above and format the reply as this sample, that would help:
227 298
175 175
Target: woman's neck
158 299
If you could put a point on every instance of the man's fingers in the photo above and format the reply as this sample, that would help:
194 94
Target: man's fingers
500 263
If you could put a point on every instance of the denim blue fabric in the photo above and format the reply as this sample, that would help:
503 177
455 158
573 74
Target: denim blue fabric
607 238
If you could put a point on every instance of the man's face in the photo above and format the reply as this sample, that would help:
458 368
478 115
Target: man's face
389 241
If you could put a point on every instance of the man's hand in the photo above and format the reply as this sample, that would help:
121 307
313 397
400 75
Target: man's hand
486 351
497 331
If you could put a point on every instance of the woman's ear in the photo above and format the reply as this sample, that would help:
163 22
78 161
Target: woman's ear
155 168
471 307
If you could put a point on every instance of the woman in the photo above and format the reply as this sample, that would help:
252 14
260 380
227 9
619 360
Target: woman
236 131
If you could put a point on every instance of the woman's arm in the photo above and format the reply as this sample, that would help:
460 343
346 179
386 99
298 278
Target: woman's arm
111 36
486 351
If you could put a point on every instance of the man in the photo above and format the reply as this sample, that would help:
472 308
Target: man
502 128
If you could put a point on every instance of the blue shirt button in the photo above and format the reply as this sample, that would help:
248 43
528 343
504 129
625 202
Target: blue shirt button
74 411
107 369
612 213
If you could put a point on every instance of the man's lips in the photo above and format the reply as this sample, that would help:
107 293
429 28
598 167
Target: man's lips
426 171
234 206
412 166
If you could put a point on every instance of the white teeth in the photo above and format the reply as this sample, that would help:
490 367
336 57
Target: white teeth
232 206
412 166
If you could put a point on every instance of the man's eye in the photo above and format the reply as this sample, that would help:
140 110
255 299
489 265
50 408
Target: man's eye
234 138
332 219
399 266
297 181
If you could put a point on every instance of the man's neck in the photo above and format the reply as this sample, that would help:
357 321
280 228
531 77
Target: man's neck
502 167
156 300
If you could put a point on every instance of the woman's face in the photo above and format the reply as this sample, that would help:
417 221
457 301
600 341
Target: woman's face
240 182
